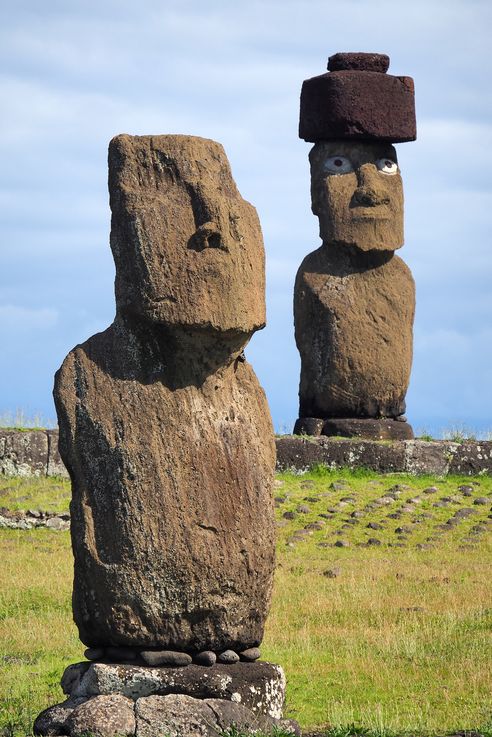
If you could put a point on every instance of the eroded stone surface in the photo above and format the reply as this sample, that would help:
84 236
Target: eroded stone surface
177 715
353 326
174 716
51 721
365 427
103 716
164 428
260 686
23 454
357 100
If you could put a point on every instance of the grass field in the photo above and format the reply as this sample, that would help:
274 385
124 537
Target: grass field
387 628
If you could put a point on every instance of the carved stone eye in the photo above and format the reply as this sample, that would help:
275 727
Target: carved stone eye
338 165
387 166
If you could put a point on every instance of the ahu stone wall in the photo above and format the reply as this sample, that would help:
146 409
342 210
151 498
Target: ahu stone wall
30 453
35 453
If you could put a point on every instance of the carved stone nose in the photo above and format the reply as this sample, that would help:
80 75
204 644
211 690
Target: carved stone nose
370 191
369 196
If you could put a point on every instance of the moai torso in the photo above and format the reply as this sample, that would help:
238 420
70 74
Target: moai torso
164 428
354 300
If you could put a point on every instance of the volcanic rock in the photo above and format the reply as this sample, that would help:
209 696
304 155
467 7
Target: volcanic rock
164 428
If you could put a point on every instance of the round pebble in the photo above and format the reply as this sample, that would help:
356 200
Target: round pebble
303 509
207 658
120 654
94 653
228 657
250 655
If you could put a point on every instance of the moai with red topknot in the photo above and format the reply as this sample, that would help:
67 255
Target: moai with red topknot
354 300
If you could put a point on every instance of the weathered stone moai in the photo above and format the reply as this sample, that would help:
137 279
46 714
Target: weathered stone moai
168 440
354 300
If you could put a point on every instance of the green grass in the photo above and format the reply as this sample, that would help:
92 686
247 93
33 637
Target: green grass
394 640
47 494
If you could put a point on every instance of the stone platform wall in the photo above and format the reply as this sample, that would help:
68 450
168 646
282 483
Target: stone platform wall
30 453
405 456
35 453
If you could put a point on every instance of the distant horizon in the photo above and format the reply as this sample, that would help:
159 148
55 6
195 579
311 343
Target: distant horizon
454 430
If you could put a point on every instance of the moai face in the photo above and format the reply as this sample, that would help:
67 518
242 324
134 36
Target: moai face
357 194
188 249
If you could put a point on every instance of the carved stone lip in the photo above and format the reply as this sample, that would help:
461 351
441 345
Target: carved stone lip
370 212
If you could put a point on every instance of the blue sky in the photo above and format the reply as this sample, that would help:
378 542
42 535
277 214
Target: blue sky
75 73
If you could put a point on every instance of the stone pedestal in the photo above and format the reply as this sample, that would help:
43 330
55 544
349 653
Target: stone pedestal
110 700
355 427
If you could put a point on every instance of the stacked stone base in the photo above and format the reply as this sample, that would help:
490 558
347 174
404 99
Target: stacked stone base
355 427
126 700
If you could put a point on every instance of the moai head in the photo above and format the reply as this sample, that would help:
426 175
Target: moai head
188 249
353 114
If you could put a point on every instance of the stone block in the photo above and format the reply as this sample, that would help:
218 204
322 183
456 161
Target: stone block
429 457
24 453
103 716
259 686
472 458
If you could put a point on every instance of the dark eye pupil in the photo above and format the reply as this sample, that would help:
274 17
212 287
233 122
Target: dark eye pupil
388 163
338 162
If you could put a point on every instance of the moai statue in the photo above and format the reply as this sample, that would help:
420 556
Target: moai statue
168 440
354 300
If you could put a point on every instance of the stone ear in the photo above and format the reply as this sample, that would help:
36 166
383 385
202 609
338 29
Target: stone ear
315 198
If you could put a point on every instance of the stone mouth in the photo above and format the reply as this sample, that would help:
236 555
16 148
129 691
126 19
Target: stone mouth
371 212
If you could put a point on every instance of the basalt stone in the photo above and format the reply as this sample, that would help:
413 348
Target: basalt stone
72 676
51 721
301 454
472 458
260 686
353 326
177 715
250 655
308 426
103 716
120 654
228 657
207 657
23 454
164 428
165 657
94 653
383 429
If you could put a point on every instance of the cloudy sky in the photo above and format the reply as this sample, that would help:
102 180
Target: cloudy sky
77 72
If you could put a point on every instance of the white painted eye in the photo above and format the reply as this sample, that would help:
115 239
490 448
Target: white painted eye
338 165
387 166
